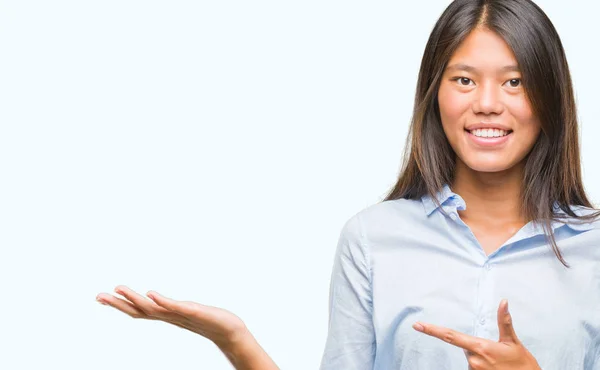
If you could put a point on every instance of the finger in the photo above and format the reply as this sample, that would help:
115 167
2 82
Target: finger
458 339
474 360
121 305
145 305
131 310
469 355
179 307
506 331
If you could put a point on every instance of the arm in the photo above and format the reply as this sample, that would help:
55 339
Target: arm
350 341
225 329
247 354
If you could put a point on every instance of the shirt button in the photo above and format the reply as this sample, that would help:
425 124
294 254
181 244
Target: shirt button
453 216
482 321
487 266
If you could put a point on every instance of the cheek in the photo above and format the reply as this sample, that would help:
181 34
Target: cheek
528 125
520 109
452 106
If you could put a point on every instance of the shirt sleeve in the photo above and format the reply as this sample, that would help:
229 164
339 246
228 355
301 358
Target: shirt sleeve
350 343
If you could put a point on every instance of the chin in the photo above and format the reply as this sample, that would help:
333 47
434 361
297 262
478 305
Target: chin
487 166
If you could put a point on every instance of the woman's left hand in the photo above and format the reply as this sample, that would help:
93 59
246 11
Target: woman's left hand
507 353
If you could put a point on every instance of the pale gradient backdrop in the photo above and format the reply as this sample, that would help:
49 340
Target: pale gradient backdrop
208 150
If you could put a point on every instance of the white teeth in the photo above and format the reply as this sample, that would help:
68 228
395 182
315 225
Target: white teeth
489 132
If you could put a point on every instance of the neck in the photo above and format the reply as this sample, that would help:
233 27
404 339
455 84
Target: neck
491 197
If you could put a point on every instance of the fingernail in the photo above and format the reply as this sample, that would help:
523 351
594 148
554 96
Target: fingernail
506 307
99 301
418 327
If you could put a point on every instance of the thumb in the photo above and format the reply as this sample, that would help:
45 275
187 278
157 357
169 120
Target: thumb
505 327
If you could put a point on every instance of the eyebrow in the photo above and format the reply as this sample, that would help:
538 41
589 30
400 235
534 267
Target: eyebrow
468 68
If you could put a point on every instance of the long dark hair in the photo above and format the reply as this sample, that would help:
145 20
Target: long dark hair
552 169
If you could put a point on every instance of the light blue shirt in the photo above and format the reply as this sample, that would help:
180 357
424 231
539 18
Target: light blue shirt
402 261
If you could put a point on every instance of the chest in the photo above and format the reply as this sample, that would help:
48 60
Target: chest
553 308
492 236
490 241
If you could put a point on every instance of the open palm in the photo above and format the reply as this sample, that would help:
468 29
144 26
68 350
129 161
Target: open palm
218 325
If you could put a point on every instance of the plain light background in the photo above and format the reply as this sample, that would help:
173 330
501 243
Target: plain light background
210 151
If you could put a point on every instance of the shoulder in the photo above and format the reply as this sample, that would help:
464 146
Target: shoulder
389 216
583 224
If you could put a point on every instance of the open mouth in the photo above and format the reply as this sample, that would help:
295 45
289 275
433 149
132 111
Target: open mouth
489 138
489 133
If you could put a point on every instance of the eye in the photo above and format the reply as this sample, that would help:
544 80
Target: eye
462 81
517 80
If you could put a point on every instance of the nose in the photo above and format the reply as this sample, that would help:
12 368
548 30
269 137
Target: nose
488 99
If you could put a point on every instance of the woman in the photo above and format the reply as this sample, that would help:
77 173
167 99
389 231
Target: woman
420 280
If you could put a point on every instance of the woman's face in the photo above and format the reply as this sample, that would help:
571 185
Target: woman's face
485 112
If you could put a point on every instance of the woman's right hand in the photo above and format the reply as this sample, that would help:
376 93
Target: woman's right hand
220 326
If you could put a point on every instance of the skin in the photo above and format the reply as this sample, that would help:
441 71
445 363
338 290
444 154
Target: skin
487 179
508 353
220 326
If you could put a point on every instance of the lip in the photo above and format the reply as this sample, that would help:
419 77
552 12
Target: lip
488 142
489 125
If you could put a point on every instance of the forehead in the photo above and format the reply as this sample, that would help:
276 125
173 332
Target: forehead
483 50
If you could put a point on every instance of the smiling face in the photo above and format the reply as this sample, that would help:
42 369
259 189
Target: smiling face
484 109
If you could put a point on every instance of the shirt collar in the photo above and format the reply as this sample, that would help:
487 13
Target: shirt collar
443 196
447 197
574 223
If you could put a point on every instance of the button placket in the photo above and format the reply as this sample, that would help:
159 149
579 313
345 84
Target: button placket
484 299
